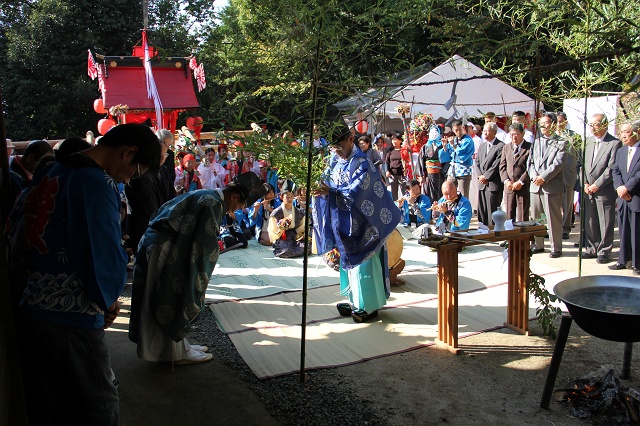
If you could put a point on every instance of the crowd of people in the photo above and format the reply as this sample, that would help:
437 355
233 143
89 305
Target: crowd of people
82 212
532 176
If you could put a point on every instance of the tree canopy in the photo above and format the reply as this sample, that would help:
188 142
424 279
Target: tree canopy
264 59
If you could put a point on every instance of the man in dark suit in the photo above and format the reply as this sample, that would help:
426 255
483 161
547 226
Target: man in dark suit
599 198
487 166
546 161
626 181
514 175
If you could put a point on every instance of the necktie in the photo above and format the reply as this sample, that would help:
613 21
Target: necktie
595 150
515 151
543 146
630 152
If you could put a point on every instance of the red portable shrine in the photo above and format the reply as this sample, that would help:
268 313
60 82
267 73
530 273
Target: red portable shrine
145 86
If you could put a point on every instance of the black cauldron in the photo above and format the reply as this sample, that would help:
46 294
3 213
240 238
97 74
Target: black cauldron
604 306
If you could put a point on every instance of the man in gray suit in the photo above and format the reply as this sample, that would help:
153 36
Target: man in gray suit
513 173
546 161
626 181
599 198
569 175
487 166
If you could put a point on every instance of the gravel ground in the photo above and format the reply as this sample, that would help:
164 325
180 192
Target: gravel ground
498 379
326 397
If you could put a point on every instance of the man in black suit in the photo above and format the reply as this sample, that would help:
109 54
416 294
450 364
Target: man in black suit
626 181
599 198
487 166
513 173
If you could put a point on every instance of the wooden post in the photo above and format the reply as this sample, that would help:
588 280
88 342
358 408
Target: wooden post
518 305
448 297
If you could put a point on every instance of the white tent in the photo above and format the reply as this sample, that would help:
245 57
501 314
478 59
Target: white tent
452 90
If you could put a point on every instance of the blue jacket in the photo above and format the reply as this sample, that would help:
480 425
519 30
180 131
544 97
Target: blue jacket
462 213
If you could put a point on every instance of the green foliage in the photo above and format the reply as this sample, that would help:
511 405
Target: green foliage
261 56
546 312
286 155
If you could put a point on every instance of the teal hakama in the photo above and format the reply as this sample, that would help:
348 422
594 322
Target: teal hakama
356 218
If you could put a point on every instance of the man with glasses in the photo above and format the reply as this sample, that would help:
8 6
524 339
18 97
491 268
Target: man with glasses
546 161
599 197
70 240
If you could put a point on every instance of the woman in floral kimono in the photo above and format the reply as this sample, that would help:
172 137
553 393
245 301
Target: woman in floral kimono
286 227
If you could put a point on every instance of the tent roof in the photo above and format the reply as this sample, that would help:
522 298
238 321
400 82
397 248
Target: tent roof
125 83
448 85
384 90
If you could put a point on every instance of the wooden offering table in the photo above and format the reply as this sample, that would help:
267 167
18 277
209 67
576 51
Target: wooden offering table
518 301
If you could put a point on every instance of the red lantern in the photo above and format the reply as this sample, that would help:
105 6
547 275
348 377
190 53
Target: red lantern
362 126
195 125
105 124
98 106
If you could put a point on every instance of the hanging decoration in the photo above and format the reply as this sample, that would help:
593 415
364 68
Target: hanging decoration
198 73
195 124
362 126
92 68
98 106
152 90
105 125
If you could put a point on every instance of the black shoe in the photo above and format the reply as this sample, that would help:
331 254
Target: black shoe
636 271
555 254
504 243
536 250
603 259
565 235
362 316
344 309
546 235
576 245
617 267
589 255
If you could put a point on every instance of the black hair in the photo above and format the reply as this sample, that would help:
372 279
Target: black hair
269 188
412 183
365 138
456 123
137 135
70 146
551 116
38 149
518 114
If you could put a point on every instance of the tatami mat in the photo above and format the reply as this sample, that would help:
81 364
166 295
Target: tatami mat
267 330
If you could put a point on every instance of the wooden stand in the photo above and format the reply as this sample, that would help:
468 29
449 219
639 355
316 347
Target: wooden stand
518 300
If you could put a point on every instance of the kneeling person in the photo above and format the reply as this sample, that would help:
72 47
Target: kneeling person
415 206
455 208
286 228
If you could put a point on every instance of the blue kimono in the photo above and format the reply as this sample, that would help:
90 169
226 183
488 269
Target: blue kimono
257 221
357 217
421 210
173 265
458 216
